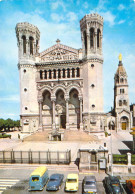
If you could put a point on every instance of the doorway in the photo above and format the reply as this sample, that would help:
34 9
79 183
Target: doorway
63 121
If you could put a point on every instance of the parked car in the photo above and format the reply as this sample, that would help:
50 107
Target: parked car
112 185
89 185
38 178
130 184
55 182
72 182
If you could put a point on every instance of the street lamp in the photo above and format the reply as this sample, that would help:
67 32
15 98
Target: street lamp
111 125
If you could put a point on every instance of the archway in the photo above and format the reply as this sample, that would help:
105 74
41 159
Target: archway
74 108
124 123
60 109
111 125
47 109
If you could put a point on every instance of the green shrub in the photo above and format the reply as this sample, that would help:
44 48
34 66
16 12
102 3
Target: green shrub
106 133
119 159
4 135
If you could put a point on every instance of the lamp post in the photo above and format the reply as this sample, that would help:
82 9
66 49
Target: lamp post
111 148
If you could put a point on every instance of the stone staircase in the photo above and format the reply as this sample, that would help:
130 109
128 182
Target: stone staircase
68 136
38 136
79 136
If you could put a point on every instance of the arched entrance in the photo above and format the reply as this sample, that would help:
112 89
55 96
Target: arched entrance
124 123
111 125
60 109
74 108
47 109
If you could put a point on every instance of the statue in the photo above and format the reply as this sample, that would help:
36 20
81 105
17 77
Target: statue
120 57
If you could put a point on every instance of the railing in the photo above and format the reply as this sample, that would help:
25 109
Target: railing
40 157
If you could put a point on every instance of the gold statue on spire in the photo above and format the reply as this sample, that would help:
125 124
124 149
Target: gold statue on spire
120 57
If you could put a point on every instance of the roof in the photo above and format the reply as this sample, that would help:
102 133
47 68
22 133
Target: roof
89 178
39 171
121 70
72 176
59 52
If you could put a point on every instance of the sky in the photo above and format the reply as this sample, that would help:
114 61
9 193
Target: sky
60 19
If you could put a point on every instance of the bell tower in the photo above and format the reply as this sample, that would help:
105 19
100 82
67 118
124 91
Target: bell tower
121 99
28 37
91 26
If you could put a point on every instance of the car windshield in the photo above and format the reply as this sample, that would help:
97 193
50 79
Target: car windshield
90 183
53 179
71 180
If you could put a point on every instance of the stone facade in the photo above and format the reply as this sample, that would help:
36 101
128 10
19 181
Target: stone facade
62 87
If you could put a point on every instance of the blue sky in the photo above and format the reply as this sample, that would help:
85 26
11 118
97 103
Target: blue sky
60 19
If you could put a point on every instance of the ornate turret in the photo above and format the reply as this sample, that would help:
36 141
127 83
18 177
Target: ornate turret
91 33
121 99
28 37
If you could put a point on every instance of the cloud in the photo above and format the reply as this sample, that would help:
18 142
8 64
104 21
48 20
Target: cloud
108 17
85 5
121 7
121 21
59 3
71 16
56 17
11 98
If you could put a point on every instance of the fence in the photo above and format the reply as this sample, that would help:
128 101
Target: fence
40 157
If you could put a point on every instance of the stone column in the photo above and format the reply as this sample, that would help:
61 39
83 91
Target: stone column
95 41
88 42
53 114
40 101
67 114
27 46
83 47
65 73
81 124
129 162
56 73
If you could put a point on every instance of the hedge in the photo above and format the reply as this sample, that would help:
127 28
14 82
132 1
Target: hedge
120 159
5 135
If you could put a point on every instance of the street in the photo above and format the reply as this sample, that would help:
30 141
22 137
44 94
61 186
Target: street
16 181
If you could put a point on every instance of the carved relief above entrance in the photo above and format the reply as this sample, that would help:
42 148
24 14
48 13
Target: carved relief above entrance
59 52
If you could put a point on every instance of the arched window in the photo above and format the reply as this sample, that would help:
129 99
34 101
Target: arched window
41 75
73 72
36 46
98 38
50 74
64 73
45 74
85 41
78 72
92 38
31 45
59 73
54 73
121 80
24 44
120 102
68 73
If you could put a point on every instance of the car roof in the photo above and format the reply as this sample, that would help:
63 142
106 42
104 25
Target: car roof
72 176
55 175
89 178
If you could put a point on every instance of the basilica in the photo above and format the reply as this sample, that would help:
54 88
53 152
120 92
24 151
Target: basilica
62 87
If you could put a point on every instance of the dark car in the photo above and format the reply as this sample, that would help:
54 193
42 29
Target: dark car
55 182
89 185
112 185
